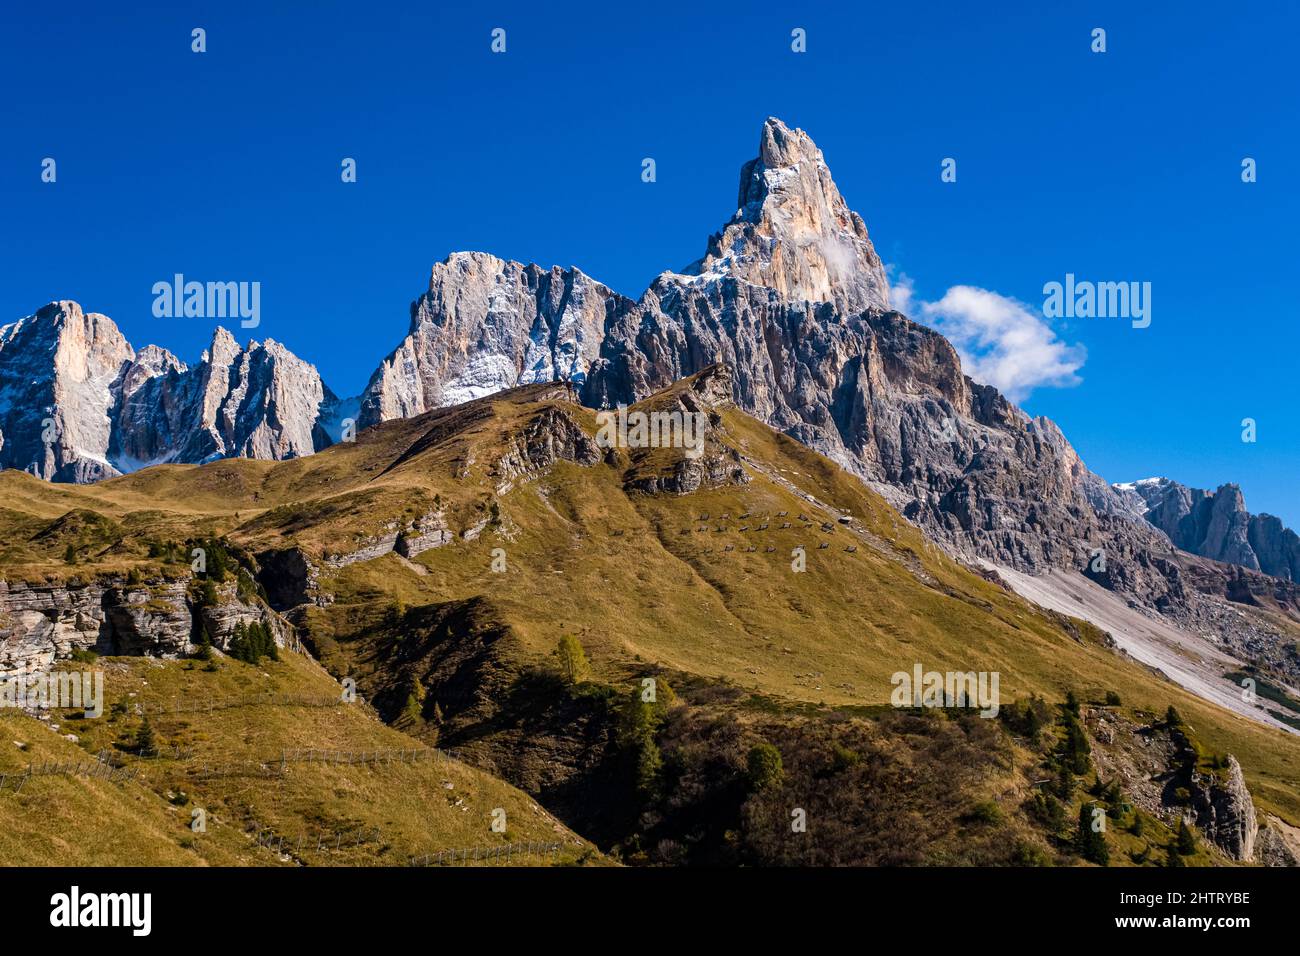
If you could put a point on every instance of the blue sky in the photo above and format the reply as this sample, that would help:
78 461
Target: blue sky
1118 166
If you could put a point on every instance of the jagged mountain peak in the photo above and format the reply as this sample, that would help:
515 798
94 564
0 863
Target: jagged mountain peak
223 347
78 403
1215 524
61 318
793 231
158 360
487 323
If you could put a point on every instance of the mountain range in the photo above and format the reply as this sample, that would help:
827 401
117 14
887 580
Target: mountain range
790 293
968 526
1216 524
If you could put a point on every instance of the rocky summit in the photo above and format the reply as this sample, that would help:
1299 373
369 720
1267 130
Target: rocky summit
1216 524
78 403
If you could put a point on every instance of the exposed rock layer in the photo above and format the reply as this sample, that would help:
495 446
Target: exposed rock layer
42 623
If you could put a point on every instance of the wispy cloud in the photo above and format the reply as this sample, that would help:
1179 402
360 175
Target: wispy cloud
1002 341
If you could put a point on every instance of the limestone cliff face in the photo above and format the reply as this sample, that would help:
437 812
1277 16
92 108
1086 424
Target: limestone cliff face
78 403
487 324
1216 524
258 402
43 623
57 370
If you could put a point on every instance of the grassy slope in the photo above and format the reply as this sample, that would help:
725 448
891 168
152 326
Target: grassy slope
652 595
418 807
834 634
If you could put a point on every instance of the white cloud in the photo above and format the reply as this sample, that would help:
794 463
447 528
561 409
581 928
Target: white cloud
900 291
1002 342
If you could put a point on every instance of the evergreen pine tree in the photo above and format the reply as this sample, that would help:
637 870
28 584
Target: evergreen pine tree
572 660
1091 840
1186 844
1065 783
145 744
238 646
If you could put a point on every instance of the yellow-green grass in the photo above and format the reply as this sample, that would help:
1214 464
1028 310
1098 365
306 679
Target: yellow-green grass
418 803
834 634
630 575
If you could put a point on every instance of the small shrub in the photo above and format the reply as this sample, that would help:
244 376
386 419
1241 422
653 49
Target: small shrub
986 811
842 758
145 742
764 766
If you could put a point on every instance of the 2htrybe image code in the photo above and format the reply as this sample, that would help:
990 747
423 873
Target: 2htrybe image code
787 556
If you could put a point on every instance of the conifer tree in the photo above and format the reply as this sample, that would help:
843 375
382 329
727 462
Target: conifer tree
145 744
1186 845
1091 840
571 660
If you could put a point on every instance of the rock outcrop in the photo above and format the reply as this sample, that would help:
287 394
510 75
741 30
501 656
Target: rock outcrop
711 462
549 436
40 624
1223 809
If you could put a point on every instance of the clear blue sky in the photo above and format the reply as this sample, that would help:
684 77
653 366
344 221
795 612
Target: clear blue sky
1125 165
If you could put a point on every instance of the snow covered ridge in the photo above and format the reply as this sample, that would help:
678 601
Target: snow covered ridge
1140 483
